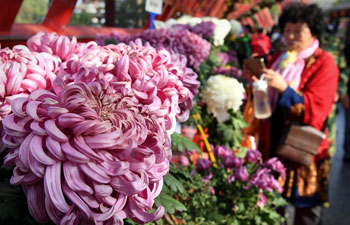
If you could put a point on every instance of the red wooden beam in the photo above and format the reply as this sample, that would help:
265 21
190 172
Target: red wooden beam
59 14
8 12
20 33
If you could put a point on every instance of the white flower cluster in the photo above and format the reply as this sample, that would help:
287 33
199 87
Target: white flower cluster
221 94
236 27
222 26
222 29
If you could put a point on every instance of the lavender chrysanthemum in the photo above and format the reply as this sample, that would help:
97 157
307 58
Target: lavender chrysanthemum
204 29
181 41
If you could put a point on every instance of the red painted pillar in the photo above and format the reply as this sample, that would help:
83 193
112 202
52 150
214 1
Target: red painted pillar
59 14
8 12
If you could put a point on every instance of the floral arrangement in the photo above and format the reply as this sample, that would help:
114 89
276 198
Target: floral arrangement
201 26
239 190
181 41
247 189
221 94
94 144
203 29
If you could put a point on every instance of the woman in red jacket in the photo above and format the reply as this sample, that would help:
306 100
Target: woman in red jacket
302 85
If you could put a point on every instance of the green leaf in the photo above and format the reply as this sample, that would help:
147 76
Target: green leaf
170 204
257 219
279 201
242 152
181 143
174 184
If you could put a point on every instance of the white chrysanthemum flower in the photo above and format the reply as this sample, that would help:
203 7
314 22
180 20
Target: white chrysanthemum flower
221 94
187 19
222 29
170 22
236 27
158 24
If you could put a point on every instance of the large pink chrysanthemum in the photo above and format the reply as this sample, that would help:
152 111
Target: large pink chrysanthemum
52 43
189 80
145 74
23 71
86 152
59 46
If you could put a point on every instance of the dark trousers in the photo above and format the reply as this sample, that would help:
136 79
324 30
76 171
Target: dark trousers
301 216
308 216
347 135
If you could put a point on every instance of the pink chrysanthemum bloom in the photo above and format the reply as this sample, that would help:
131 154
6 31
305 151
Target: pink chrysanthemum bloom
22 72
143 73
86 152
189 80
52 43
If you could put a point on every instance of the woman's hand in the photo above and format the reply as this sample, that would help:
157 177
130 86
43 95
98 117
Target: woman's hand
275 80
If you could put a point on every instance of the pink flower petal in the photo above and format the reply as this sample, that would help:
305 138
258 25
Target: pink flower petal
95 173
37 129
77 200
75 178
17 106
55 148
54 132
69 120
36 203
53 188
38 152
73 155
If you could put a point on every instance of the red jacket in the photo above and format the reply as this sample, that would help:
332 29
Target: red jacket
260 45
318 85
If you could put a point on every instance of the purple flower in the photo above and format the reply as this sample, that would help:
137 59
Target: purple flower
203 164
262 201
231 179
242 174
276 165
195 48
222 152
206 179
232 71
264 180
276 185
232 162
204 29
253 156
212 190
181 26
224 58
183 160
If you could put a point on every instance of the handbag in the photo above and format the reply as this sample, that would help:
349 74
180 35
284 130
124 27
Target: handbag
300 144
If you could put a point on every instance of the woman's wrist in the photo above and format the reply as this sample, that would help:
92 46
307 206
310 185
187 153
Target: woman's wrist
283 87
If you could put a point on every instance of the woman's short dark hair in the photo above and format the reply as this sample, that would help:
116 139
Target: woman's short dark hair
248 28
312 15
